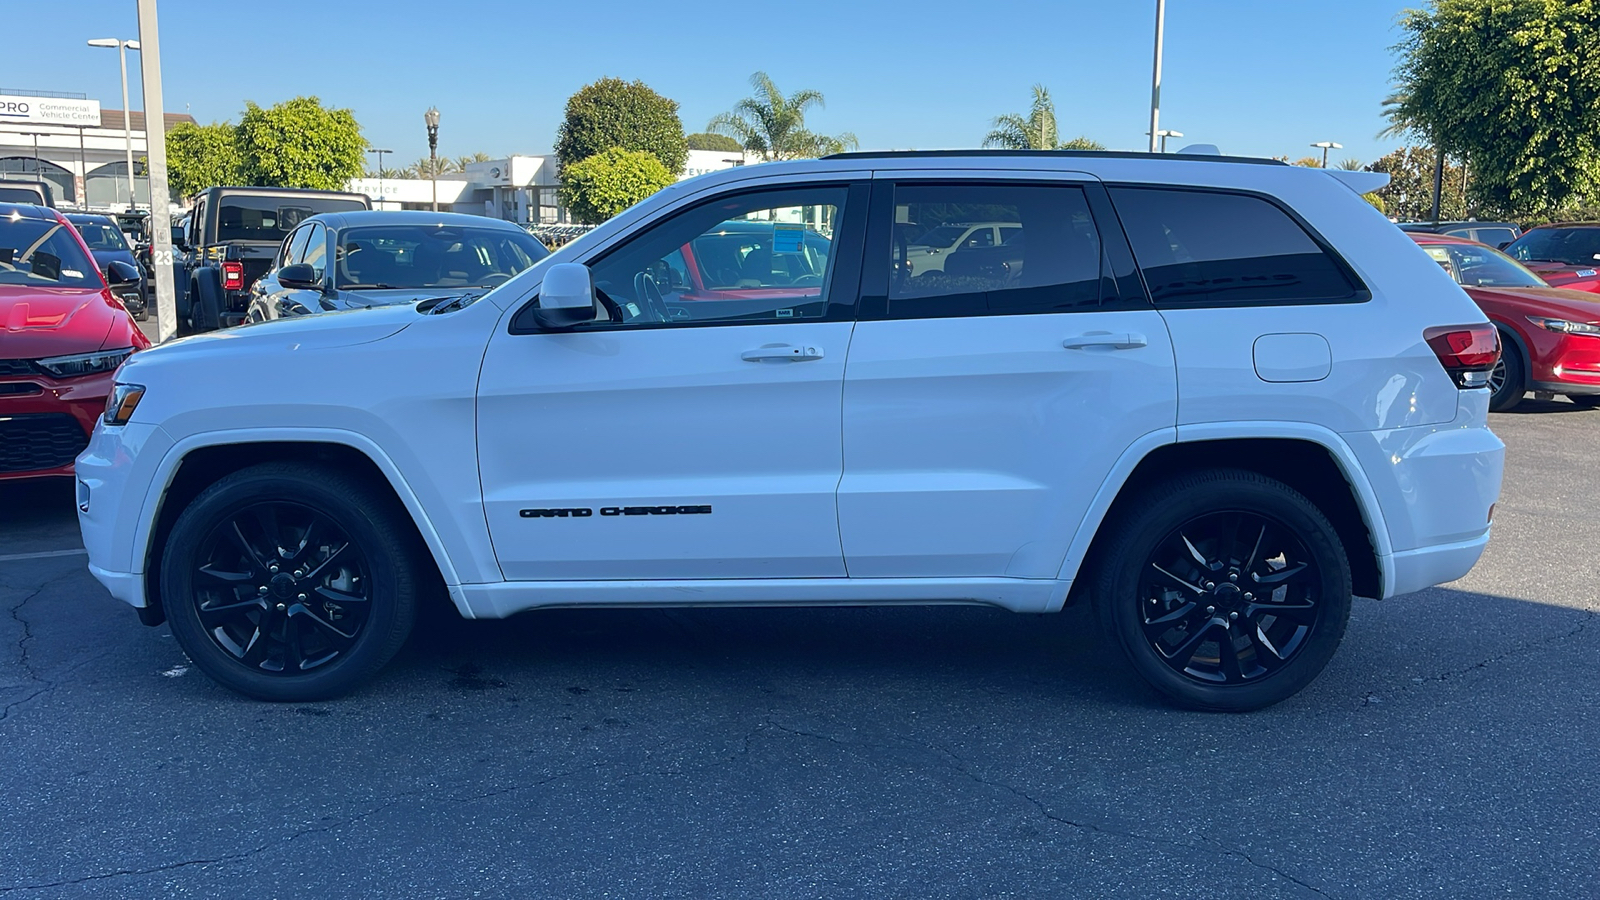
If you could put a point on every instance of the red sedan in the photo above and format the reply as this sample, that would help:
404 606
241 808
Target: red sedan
62 336
1565 254
1551 336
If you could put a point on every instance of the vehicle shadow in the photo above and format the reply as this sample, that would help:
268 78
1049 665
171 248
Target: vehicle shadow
1532 406
37 514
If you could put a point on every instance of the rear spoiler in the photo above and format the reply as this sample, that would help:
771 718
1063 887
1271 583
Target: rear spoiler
1361 182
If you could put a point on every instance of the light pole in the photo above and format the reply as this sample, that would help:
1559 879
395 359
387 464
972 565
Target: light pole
1326 146
380 169
1155 77
122 48
1164 133
432 118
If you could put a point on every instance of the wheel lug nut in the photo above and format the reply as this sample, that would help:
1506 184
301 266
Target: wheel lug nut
1233 576
1210 585
1233 615
302 596
1210 610
273 568
1249 596
298 573
282 607
263 589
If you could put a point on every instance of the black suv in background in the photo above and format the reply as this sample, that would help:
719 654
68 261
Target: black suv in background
233 236
37 193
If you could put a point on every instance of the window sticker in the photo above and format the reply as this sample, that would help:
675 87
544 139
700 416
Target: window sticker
786 237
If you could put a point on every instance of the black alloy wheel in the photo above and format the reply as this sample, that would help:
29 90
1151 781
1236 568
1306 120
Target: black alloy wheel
1226 589
281 588
292 582
1229 597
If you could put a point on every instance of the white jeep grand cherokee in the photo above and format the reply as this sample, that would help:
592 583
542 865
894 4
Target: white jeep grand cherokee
1212 397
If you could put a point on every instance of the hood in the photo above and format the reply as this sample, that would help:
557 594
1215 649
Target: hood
1578 306
44 321
102 257
297 333
394 296
1562 273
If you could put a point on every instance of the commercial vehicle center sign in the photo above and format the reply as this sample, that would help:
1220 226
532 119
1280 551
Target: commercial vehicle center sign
49 111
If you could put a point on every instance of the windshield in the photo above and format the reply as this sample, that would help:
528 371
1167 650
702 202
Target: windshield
43 253
1476 266
101 236
1569 246
242 217
432 256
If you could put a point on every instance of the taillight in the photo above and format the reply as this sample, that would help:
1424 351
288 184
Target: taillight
233 276
1467 352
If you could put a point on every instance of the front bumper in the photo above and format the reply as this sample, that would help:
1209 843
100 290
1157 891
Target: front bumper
82 399
116 475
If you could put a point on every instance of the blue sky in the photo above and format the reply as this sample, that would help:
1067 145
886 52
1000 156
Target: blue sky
1254 77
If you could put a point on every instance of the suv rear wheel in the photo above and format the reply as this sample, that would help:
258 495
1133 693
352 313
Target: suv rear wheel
290 582
1227 590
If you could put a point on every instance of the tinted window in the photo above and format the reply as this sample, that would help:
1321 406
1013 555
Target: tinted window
1205 248
1494 237
1476 266
44 253
1570 246
241 217
428 256
294 248
33 196
101 235
749 258
1050 263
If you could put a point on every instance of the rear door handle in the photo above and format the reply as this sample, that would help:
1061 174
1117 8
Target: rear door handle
1120 341
781 353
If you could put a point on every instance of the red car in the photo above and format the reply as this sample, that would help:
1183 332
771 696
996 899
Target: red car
1565 255
1551 336
62 336
747 261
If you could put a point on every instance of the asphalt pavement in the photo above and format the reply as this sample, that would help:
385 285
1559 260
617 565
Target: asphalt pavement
1450 750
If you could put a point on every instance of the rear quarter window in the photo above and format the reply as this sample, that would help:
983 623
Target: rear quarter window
1215 248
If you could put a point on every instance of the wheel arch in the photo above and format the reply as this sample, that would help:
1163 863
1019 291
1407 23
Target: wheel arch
1309 459
192 466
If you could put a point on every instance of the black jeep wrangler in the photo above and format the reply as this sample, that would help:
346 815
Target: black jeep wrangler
233 236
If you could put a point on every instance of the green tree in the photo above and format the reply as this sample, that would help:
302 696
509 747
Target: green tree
479 157
773 125
598 187
300 143
612 113
705 140
1409 194
1351 165
203 156
1514 85
1035 131
1309 162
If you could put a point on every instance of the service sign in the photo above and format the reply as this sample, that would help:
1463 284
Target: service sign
49 111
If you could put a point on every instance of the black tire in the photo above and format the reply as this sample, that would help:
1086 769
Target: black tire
1305 613
205 303
1508 383
1587 401
308 633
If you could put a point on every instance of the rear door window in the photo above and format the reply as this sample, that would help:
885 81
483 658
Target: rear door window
1213 248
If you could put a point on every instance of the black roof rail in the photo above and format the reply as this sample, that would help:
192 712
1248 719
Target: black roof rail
1056 154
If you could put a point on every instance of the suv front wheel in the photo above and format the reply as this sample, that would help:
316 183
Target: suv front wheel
1227 590
291 582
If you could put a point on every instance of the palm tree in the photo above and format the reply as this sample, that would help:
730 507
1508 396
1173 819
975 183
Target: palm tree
774 126
1036 131
1352 165
479 157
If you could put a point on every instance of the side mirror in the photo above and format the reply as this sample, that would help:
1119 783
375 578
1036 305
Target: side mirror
178 239
299 275
566 296
119 273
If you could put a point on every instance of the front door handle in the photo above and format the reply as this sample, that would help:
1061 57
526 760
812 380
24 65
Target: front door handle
781 353
1120 341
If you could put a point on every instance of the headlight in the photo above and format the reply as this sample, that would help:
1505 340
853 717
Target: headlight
1563 326
84 363
121 402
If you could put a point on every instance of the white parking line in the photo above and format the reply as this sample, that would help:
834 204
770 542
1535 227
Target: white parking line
42 554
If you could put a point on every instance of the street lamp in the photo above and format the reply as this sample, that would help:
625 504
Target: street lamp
380 169
1326 146
122 48
1155 76
1164 134
432 118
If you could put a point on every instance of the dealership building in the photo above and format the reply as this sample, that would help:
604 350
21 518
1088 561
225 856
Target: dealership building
80 149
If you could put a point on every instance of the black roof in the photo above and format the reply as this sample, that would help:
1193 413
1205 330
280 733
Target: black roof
26 211
1060 154
276 191
82 218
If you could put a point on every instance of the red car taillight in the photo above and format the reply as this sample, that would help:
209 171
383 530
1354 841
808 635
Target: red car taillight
1467 352
233 276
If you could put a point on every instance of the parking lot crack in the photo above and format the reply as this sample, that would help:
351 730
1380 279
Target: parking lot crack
1518 650
45 685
